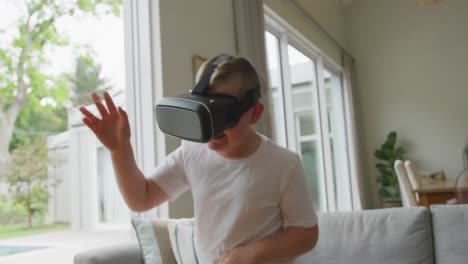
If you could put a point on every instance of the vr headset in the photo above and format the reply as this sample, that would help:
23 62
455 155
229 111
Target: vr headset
199 116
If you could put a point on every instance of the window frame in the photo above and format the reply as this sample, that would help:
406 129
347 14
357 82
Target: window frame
144 86
287 35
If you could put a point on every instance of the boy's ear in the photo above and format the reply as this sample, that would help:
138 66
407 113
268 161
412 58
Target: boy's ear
256 113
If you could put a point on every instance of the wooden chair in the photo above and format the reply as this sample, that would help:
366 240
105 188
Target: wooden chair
407 195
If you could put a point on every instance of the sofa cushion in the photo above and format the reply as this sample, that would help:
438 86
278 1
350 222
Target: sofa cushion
396 235
154 241
450 227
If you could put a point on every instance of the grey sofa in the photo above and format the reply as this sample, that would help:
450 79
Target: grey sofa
397 235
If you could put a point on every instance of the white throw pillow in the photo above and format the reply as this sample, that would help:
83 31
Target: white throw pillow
181 234
147 240
153 237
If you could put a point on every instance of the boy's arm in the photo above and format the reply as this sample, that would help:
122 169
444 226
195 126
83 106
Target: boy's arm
286 245
113 130
140 194
283 246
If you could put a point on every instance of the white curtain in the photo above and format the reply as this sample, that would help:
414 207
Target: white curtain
250 38
355 153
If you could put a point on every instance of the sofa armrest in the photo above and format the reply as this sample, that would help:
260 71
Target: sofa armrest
127 253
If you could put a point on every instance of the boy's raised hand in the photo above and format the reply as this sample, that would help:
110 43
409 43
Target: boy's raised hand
113 129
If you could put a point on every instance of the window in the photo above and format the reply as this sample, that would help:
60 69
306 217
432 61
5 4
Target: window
336 133
276 83
111 205
309 115
60 52
72 48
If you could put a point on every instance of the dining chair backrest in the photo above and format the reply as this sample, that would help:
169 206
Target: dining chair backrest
407 196
412 174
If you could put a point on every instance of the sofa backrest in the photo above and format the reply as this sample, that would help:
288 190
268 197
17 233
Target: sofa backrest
396 235
450 227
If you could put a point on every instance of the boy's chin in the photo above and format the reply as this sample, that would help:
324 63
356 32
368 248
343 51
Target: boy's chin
218 143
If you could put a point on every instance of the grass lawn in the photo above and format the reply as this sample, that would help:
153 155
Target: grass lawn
11 231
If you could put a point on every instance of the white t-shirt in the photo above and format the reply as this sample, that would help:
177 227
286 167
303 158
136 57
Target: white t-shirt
238 201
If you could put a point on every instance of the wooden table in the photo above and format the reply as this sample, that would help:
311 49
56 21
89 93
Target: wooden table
440 192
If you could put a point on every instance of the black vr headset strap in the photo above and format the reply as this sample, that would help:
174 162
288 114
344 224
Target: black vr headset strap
202 85
250 99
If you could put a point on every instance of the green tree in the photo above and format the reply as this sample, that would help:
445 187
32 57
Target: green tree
34 121
23 81
28 178
85 80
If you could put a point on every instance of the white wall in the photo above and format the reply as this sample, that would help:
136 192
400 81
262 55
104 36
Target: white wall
412 71
329 13
202 27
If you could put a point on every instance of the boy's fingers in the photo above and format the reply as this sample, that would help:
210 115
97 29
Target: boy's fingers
88 114
110 104
97 101
123 114
90 124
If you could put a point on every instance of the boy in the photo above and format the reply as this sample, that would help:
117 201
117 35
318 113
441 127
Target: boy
251 199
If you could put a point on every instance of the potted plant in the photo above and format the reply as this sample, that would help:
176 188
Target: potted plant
387 154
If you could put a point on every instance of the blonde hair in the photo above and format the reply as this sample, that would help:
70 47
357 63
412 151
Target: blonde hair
237 68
